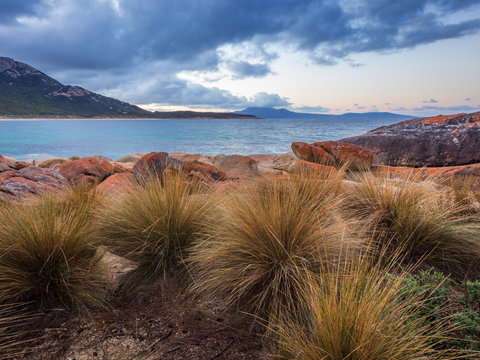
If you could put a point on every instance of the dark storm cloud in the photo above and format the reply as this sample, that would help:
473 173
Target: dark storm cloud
11 9
122 39
242 69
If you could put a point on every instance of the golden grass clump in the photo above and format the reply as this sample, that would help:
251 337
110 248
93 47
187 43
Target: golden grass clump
358 312
416 217
48 254
269 236
154 224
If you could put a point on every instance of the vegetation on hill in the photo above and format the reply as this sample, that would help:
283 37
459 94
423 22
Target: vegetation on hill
26 92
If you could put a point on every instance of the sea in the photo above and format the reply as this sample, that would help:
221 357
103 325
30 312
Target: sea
114 138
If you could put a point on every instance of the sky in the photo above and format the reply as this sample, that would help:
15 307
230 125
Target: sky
416 57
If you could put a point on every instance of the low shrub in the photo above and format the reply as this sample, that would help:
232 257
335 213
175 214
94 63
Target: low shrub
154 224
48 254
457 303
268 238
413 216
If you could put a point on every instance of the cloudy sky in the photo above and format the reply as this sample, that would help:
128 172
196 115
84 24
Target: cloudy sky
407 56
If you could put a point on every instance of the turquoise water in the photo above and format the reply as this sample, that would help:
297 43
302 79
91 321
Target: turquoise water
36 139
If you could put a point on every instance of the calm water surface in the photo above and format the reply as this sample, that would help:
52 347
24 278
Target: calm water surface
36 139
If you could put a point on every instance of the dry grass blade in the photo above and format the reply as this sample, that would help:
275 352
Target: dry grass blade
154 224
47 252
14 338
270 235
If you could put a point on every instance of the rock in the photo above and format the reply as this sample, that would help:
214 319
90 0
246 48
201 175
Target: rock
203 171
208 159
131 158
117 182
30 180
357 157
283 162
237 166
119 167
154 163
49 163
5 164
266 163
302 165
100 157
312 153
334 153
433 142
90 171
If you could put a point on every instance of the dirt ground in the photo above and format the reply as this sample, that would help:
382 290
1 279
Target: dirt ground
160 322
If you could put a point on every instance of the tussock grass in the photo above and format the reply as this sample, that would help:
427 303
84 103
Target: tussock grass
270 235
154 224
415 216
466 191
47 251
13 320
356 312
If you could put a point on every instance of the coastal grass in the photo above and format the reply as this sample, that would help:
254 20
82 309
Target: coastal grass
14 338
154 224
48 254
270 235
416 216
358 311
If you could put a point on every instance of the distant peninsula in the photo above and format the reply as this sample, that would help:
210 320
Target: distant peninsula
26 93
272 113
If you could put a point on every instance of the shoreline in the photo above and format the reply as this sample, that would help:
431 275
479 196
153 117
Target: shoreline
136 118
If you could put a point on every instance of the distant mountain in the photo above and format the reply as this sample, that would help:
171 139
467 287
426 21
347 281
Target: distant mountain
272 113
27 92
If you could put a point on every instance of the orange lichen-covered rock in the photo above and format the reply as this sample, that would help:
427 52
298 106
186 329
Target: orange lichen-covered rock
334 153
154 163
312 153
439 119
357 157
307 166
28 181
237 166
92 170
203 171
117 182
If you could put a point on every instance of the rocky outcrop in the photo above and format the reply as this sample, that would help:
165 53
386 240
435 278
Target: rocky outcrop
117 182
92 170
237 166
7 164
334 153
49 163
157 162
203 171
154 164
208 159
432 142
28 181
308 167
